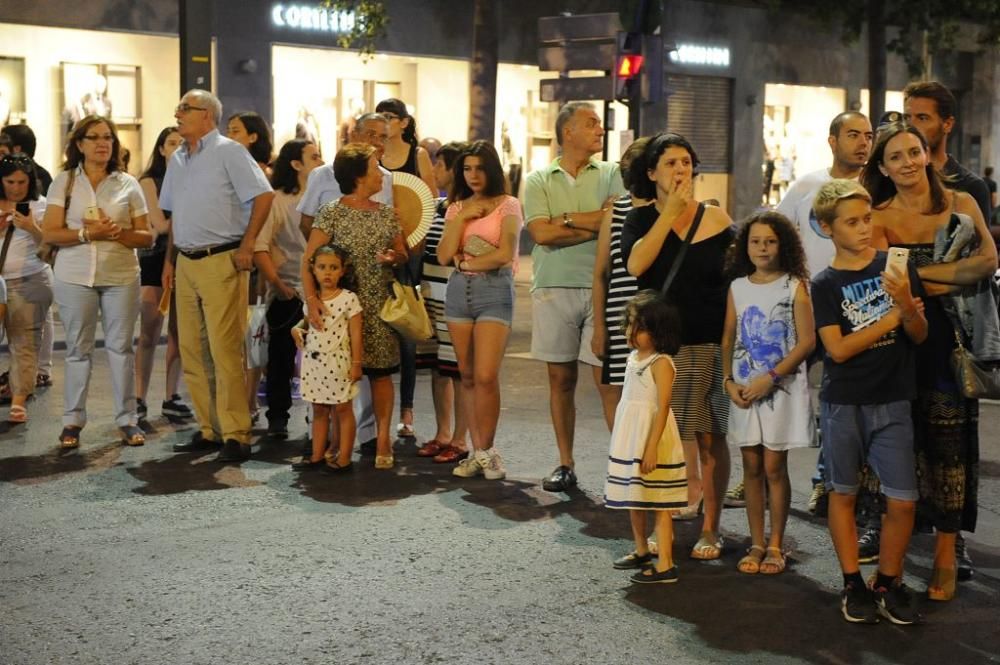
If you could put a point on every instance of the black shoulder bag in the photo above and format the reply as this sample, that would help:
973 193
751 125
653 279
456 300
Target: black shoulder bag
684 248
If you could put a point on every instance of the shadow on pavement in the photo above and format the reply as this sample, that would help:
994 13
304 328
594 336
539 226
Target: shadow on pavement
33 469
728 614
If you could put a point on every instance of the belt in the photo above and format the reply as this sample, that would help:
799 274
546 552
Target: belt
218 249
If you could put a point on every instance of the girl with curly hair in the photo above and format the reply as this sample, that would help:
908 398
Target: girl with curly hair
767 336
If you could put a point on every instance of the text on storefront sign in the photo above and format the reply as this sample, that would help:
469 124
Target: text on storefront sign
305 17
697 54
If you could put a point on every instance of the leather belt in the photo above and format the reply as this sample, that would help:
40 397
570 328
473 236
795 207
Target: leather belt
218 249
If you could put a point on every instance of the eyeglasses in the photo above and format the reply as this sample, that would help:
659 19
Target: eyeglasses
372 135
17 160
184 108
107 138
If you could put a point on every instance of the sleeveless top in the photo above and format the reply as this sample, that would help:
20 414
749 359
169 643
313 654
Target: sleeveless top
410 165
700 288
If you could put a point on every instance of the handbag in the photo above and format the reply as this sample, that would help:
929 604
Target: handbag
405 312
976 379
476 245
257 335
684 248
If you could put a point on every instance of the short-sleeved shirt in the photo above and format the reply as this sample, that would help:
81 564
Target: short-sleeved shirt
22 255
101 262
3 291
854 300
797 205
490 227
283 239
550 192
699 289
966 181
322 188
210 192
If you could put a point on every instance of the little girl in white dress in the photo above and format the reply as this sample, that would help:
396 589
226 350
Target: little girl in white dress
331 358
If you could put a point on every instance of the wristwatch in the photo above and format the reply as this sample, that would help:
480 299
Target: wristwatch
567 222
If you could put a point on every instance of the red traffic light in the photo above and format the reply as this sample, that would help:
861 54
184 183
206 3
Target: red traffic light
629 66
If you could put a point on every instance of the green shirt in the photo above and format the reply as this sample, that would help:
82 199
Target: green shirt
550 192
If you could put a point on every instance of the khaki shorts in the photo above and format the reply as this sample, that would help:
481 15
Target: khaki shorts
562 325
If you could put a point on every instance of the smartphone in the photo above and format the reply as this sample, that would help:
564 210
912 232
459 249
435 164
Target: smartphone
896 262
93 213
23 208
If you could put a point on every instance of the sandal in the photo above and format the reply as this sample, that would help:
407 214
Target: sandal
384 461
132 436
432 448
706 549
18 414
750 564
405 431
333 466
450 454
692 512
43 381
70 437
774 562
942 584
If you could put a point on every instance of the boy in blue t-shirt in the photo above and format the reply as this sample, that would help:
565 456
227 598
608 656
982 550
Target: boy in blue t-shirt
868 321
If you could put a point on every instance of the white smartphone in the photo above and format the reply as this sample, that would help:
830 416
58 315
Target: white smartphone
896 262
92 214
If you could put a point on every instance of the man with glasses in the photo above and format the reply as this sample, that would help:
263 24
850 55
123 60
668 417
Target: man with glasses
322 188
219 199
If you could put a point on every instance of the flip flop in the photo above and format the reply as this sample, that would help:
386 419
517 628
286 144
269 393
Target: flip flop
132 436
707 550
70 437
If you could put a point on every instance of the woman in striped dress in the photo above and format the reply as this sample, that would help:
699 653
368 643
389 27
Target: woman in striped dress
613 285
448 444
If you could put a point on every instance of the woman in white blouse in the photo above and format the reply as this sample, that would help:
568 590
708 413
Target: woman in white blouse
96 216
29 280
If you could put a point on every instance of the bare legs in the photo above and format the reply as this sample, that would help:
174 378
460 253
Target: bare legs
150 326
323 414
760 463
896 529
610 396
382 403
447 394
714 455
693 466
480 348
664 536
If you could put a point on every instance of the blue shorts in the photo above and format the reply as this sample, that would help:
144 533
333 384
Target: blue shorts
479 297
880 433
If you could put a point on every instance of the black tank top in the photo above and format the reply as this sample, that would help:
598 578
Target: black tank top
410 165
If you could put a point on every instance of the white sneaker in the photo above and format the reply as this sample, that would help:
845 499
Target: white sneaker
470 467
493 468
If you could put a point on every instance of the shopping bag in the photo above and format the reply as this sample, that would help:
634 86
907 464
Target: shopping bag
257 335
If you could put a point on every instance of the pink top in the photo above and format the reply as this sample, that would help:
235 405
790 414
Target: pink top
489 227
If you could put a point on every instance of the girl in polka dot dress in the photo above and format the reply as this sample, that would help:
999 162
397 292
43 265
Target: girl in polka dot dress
331 358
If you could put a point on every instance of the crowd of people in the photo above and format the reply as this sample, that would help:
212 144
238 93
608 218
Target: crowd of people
833 316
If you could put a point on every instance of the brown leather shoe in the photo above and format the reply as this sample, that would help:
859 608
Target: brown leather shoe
431 449
450 455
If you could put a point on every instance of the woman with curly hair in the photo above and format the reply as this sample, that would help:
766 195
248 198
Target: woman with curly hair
767 336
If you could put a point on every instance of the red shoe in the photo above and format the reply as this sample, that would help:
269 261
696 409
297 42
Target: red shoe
450 455
431 449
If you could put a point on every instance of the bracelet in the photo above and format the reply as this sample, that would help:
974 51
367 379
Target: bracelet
775 377
311 297
81 235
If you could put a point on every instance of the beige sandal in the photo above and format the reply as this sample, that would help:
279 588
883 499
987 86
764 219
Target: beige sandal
706 549
775 559
18 414
750 564
384 461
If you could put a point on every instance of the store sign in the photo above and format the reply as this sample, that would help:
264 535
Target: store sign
698 54
309 17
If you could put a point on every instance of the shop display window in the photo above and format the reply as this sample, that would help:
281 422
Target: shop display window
11 90
108 90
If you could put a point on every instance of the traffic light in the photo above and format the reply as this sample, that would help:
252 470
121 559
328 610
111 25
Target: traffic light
628 66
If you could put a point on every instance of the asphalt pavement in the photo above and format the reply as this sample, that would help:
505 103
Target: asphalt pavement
115 555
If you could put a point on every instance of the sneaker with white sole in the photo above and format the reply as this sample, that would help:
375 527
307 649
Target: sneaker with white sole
735 497
470 467
493 468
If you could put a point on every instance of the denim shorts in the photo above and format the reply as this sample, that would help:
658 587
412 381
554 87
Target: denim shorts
481 296
880 433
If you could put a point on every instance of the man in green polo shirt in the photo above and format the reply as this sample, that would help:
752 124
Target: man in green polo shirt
563 206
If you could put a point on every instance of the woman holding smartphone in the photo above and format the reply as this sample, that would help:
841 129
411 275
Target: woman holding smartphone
96 216
29 279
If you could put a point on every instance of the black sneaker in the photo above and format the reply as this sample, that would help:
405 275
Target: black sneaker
277 428
176 408
560 480
897 604
141 409
857 605
868 545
